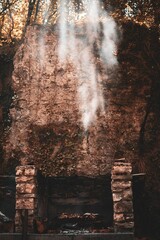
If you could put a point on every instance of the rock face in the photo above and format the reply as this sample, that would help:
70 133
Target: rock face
46 128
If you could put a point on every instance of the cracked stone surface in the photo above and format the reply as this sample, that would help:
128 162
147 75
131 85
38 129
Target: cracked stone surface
46 124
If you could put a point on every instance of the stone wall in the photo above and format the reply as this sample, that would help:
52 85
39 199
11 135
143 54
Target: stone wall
46 128
26 197
27 209
122 196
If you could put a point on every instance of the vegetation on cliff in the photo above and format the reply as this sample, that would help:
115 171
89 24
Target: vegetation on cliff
139 68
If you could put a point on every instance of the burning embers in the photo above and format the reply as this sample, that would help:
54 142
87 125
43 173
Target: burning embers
75 205
73 223
81 221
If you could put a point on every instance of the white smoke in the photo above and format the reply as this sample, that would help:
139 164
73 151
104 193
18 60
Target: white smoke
80 30
46 11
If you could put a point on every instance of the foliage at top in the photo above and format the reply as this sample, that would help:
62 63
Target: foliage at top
16 15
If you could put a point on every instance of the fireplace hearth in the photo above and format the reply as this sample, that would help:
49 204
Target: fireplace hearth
75 205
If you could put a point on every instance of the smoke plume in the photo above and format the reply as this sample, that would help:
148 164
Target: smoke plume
83 29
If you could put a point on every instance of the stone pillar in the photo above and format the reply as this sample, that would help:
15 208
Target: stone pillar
122 196
26 196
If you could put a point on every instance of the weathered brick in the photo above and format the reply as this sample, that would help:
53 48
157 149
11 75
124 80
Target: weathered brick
125 225
119 217
121 169
125 177
26 195
27 203
21 179
123 206
129 217
30 171
121 184
26 188
127 194
27 170
117 197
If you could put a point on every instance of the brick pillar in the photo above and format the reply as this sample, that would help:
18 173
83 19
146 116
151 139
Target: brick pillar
122 196
26 196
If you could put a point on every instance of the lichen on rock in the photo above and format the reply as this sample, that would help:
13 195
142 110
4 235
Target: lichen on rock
46 123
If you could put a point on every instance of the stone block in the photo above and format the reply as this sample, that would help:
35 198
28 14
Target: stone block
26 188
26 195
27 203
125 225
19 171
127 194
26 170
122 177
30 171
123 207
121 169
117 190
129 217
119 217
117 197
120 184
120 160
121 164
24 179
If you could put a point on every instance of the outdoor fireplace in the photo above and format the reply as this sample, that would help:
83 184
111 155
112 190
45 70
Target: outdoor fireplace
48 136
75 204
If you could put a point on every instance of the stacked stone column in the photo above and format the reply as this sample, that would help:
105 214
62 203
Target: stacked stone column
26 196
122 196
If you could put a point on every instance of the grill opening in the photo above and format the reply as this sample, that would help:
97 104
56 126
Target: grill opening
74 204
